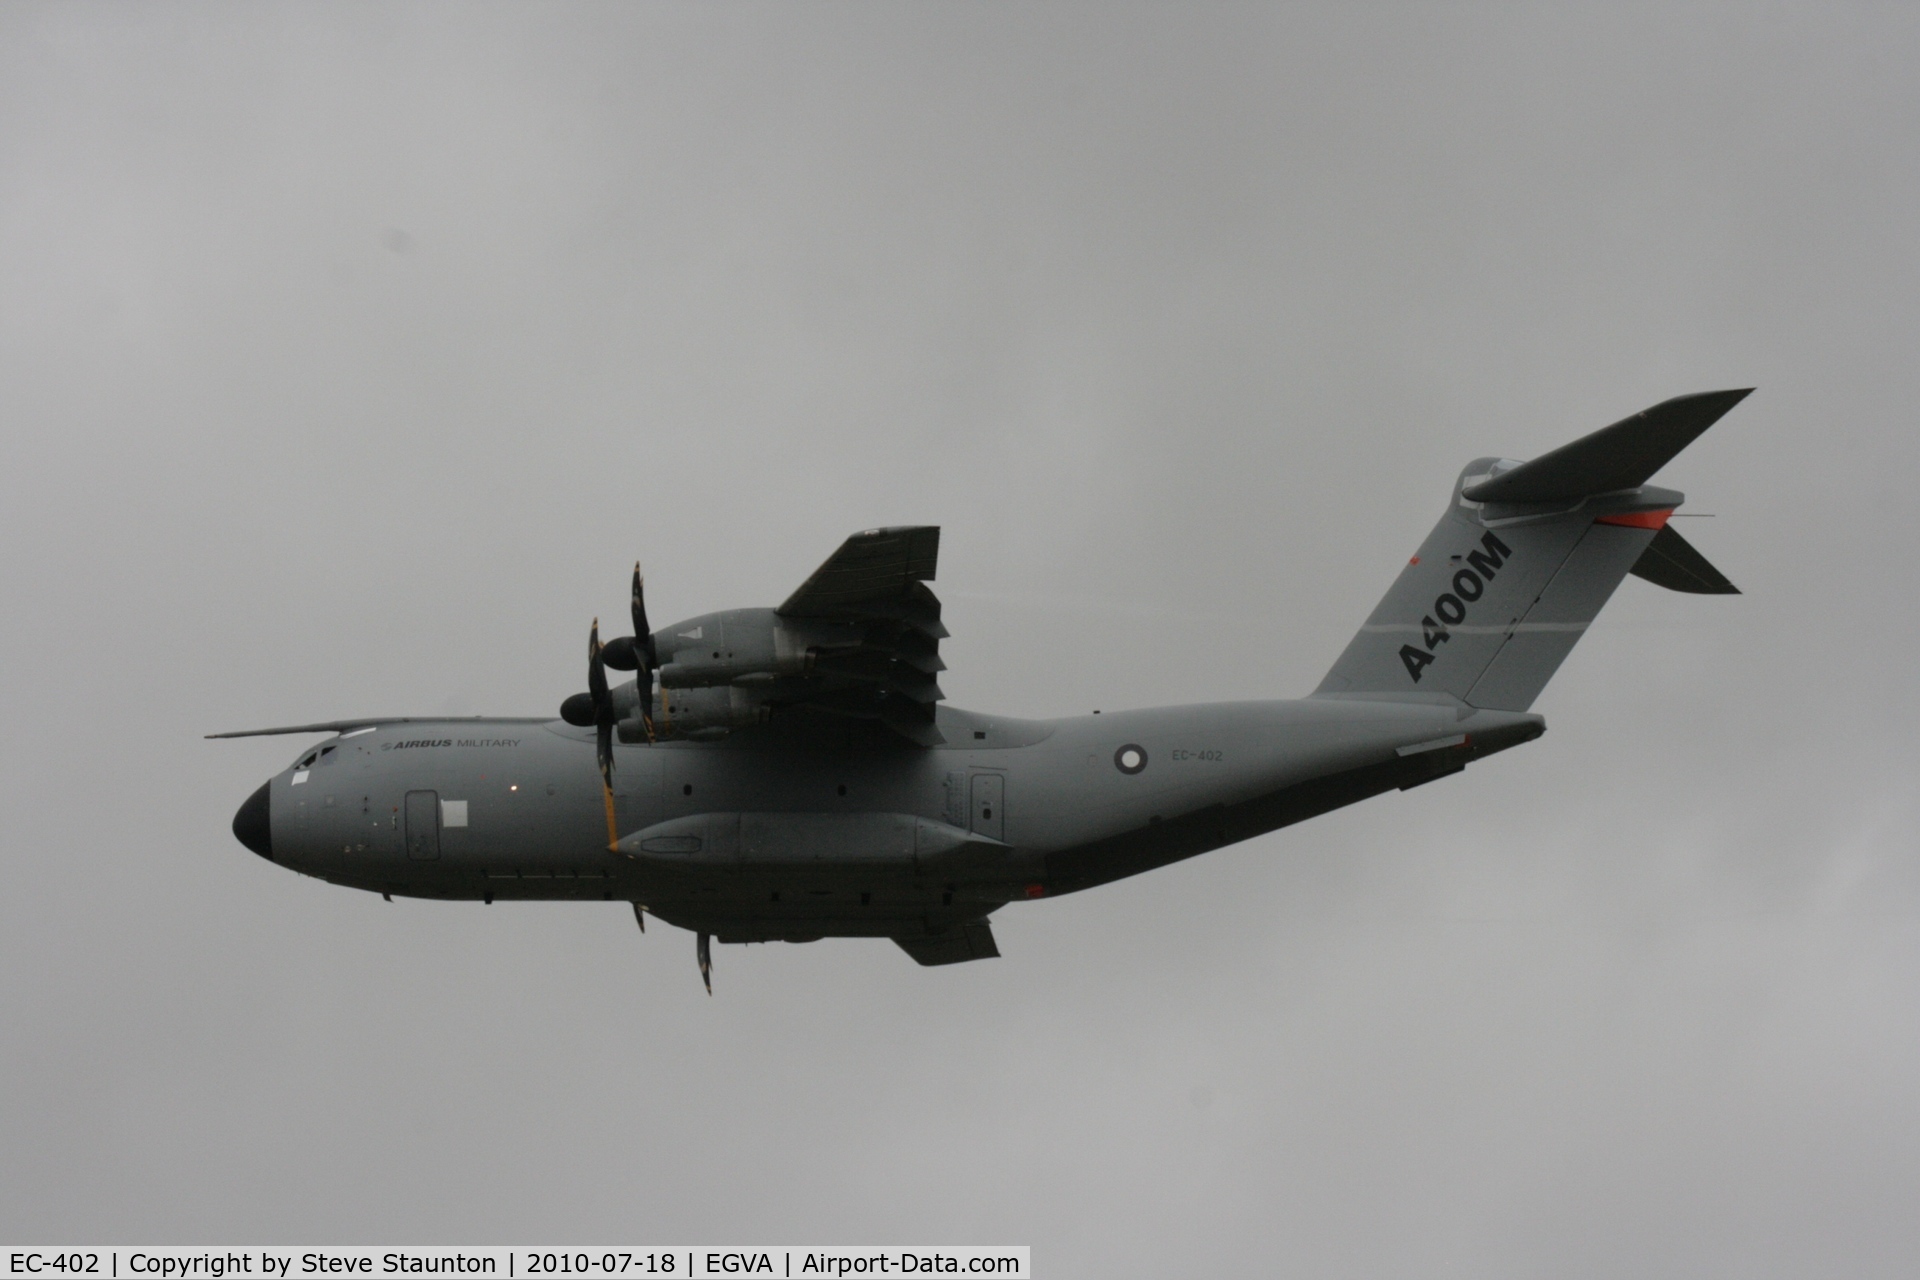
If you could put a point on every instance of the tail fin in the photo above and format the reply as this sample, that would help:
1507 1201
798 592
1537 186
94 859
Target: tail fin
1524 558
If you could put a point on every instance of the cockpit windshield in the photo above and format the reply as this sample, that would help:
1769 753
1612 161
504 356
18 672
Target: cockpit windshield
322 756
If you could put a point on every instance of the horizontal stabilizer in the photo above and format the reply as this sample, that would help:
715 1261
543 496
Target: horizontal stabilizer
1621 456
1670 561
964 942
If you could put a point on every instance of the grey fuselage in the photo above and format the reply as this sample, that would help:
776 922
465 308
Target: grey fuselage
824 828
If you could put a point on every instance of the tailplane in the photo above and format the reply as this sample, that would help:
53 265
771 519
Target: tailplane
1524 558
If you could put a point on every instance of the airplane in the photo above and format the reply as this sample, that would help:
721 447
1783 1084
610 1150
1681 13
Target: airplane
794 773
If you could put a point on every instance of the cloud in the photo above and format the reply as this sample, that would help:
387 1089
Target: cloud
351 356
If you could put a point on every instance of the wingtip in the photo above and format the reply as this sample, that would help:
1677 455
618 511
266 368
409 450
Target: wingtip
1716 404
1721 401
1729 398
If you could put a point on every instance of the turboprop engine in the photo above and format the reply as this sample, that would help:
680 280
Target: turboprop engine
717 672
859 640
700 714
757 645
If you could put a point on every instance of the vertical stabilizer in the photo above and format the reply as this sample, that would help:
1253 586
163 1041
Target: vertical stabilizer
1521 563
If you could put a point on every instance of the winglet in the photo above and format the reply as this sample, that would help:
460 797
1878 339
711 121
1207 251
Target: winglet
1622 456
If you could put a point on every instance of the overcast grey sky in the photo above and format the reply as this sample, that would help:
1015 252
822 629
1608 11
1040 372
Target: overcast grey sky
350 354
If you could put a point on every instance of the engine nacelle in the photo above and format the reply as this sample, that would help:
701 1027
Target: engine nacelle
688 713
710 710
719 648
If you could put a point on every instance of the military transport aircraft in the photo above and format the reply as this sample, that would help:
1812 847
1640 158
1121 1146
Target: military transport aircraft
790 774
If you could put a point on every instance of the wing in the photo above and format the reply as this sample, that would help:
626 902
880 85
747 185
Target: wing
342 726
875 568
875 585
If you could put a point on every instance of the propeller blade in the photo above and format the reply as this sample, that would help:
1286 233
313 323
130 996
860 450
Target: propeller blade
705 956
597 671
642 633
603 725
643 650
602 702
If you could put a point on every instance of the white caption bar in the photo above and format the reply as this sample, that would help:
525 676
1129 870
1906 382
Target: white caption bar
639 1262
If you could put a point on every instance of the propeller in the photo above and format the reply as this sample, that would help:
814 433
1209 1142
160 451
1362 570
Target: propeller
595 707
602 701
636 652
602 723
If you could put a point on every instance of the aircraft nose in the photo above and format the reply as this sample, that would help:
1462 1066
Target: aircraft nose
253 826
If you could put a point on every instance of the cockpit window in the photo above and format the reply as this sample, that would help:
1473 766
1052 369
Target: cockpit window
323 756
